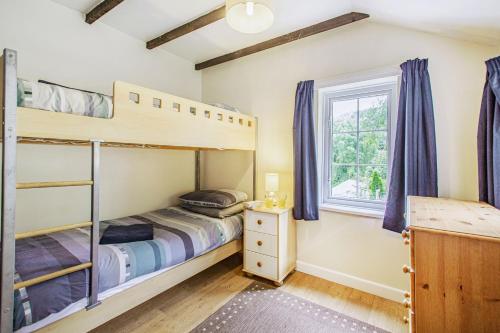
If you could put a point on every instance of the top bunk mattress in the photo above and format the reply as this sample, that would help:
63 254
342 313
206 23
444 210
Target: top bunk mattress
52 97
179 235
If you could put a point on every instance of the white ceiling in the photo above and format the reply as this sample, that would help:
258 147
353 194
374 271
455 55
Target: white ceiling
474 20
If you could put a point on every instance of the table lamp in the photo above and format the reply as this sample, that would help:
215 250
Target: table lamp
272 186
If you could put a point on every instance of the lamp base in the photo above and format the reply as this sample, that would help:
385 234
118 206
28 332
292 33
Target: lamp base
270 200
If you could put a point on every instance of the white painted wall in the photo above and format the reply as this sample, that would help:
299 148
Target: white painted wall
55 44
237 174
353 249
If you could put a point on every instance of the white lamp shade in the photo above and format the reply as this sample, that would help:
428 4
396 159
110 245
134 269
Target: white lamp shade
249 17
272 182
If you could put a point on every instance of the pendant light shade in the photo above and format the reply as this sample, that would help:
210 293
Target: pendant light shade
249 17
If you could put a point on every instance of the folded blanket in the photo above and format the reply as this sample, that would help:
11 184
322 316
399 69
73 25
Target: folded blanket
215 212
116 234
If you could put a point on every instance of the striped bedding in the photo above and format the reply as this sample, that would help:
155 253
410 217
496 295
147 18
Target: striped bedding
55 98
179 235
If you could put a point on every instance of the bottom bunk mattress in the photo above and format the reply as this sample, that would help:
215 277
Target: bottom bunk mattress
179 235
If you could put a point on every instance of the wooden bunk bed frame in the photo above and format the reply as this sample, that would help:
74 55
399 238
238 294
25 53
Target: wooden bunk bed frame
141 118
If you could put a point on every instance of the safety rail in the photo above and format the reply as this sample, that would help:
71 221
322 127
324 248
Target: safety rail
8 97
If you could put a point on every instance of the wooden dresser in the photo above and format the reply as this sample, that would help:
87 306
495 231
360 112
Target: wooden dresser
269 245
454 266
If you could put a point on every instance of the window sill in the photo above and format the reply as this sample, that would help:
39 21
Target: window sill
352 210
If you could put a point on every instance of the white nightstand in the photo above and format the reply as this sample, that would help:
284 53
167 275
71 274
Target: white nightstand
269 246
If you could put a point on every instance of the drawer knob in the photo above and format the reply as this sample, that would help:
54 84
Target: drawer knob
407 304
259 222
405 234
406 241
407 294
406 320
259 264
259 243
407 269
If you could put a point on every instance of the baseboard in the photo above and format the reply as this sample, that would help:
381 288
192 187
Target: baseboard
367 286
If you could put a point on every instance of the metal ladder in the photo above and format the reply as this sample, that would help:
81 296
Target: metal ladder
8 204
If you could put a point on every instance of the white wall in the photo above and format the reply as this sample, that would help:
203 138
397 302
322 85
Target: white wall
54 43
353 249
217 173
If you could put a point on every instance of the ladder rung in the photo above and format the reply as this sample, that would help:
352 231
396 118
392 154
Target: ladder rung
22 186
39 232
50 276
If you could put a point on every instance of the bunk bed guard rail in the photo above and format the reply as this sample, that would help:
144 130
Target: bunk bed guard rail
8 204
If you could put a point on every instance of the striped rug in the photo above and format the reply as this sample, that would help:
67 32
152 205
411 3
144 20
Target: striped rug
261 308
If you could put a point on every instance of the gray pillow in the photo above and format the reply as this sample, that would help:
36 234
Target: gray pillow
213 198
219 213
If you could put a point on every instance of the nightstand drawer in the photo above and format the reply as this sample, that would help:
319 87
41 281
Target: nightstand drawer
261 265
261 222
261 243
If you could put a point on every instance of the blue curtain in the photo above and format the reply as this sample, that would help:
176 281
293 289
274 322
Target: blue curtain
414 166
304 147
488 136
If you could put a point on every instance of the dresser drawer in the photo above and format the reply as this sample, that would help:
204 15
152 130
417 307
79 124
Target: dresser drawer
261 265
261 222
261 243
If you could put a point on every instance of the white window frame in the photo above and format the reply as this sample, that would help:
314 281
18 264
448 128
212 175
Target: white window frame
357 85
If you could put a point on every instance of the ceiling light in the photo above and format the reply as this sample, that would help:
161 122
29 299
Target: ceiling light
249 17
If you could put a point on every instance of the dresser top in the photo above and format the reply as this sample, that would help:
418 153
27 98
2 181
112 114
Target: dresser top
468 217
274 210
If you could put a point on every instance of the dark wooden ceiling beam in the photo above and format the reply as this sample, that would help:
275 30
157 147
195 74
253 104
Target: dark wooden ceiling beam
101 9
184 29
284 39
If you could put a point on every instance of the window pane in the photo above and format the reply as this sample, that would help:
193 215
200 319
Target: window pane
373 182
373 113
343 181
344 148
344 114
373 148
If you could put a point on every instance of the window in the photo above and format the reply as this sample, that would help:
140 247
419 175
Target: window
356 136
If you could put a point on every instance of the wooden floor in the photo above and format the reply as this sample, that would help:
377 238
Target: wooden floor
183 307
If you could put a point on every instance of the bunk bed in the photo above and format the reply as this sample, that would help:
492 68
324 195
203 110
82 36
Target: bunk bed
142 118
